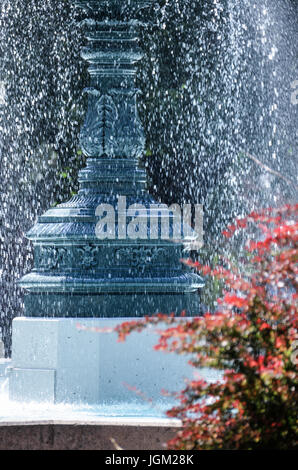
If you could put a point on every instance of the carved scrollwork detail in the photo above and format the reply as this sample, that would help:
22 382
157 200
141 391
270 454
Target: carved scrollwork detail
112 127
139 257
88 256
52 257
99 123
127 138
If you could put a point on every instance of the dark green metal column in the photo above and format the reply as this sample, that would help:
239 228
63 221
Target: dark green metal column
77 274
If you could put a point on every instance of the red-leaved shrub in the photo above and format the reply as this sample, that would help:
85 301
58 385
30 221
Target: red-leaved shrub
252 338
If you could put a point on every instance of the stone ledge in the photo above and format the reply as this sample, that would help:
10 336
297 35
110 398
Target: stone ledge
4 365
127 434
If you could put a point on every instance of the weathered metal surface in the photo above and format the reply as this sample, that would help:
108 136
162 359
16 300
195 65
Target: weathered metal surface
75 273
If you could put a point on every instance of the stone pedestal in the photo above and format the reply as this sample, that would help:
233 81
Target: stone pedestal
53 360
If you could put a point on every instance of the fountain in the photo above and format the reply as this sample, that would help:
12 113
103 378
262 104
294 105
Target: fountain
93 273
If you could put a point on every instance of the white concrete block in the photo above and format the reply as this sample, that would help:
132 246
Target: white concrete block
78 362
135 364
32 385
35 343
90 367
4 366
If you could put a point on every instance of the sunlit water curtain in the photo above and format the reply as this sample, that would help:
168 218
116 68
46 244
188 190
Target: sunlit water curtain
216 81
89 272
76 274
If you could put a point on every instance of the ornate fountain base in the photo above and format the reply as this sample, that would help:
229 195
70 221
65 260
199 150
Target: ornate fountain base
110 252
64 360
132 269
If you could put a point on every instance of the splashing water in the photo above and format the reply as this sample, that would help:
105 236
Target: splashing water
221 127
149 411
